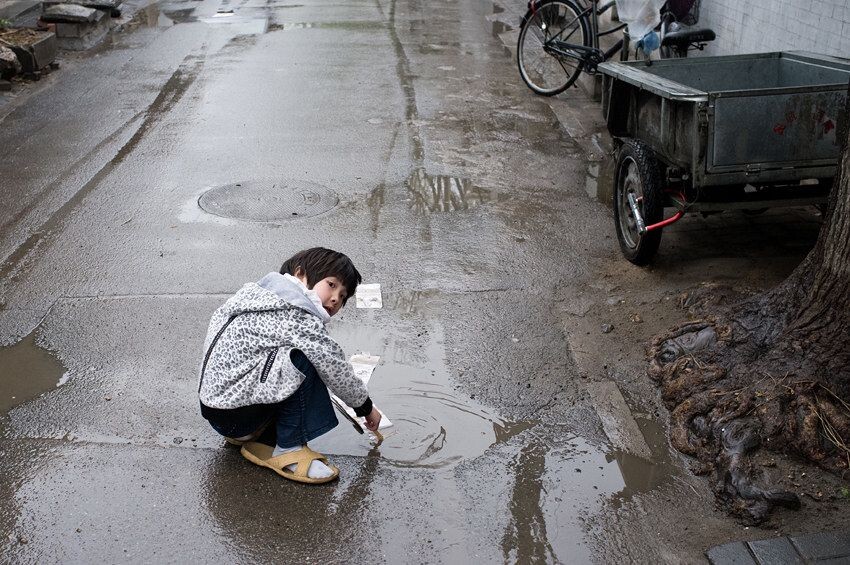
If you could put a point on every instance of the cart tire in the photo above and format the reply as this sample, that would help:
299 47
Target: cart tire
638 172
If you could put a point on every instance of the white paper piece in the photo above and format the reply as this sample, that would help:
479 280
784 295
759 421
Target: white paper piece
364 364
369 296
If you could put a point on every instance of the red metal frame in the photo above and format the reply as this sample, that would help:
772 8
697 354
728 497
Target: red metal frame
672 219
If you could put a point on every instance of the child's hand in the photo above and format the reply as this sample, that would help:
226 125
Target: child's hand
373 419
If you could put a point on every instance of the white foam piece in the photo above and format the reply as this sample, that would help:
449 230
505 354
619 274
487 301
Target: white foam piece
369 296
364 365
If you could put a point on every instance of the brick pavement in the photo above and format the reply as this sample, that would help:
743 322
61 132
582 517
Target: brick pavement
821 548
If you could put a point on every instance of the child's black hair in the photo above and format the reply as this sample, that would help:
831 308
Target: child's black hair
319 263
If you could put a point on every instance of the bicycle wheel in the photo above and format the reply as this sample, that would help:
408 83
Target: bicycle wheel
545 72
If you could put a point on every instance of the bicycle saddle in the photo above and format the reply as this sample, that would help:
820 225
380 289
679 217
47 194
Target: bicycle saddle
684 37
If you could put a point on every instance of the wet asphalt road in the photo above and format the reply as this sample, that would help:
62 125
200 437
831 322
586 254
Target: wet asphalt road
443 165
457 192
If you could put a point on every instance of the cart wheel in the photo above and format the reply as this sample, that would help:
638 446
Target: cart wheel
637 173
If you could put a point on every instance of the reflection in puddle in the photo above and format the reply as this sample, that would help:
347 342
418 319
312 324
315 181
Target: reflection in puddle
599 180
153 16
434 425
343 25
278 27
443 193
182 16
556 489
413 301
526 539
238 24
26 371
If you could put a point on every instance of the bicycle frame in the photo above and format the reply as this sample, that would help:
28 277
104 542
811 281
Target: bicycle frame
593 55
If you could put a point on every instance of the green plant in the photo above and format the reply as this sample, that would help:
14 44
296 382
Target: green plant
845 492
5 23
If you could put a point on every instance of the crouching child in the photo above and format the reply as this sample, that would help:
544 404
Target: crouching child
268 364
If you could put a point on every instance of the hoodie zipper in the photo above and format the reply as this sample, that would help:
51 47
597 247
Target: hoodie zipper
268 366
218 336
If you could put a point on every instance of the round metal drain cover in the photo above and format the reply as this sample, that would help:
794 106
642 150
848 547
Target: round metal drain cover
269 201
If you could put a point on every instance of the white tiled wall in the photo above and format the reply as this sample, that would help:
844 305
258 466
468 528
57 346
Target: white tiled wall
754 26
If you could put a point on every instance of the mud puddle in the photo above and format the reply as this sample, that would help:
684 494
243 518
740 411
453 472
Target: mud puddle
26 372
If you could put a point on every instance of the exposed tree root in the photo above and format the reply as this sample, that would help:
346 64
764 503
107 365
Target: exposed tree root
719 380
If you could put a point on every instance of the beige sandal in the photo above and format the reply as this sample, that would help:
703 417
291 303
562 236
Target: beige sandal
261 454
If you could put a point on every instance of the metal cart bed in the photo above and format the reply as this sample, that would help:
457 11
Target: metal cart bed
717 133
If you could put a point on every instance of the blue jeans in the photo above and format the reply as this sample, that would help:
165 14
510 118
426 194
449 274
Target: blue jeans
302 417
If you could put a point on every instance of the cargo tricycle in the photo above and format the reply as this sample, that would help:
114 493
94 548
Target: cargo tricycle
709 134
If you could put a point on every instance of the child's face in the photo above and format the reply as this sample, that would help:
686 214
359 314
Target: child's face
331 292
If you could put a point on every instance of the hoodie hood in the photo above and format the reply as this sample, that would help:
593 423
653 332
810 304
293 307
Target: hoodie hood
293 292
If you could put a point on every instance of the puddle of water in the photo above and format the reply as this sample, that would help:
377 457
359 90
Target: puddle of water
500 28
443 193
591 179
599 180
566 484
434 426
239 24
343 25
27 371
150 16
640 475
286 27
180 16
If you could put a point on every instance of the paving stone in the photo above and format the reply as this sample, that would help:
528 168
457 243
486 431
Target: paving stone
775 551
735 553
106 5
69 13
835 561
823 545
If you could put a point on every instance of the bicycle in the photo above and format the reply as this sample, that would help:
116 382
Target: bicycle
549 62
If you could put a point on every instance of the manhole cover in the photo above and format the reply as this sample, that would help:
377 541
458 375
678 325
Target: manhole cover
268 201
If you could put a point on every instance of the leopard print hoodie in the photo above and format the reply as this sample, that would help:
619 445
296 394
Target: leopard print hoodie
249 340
